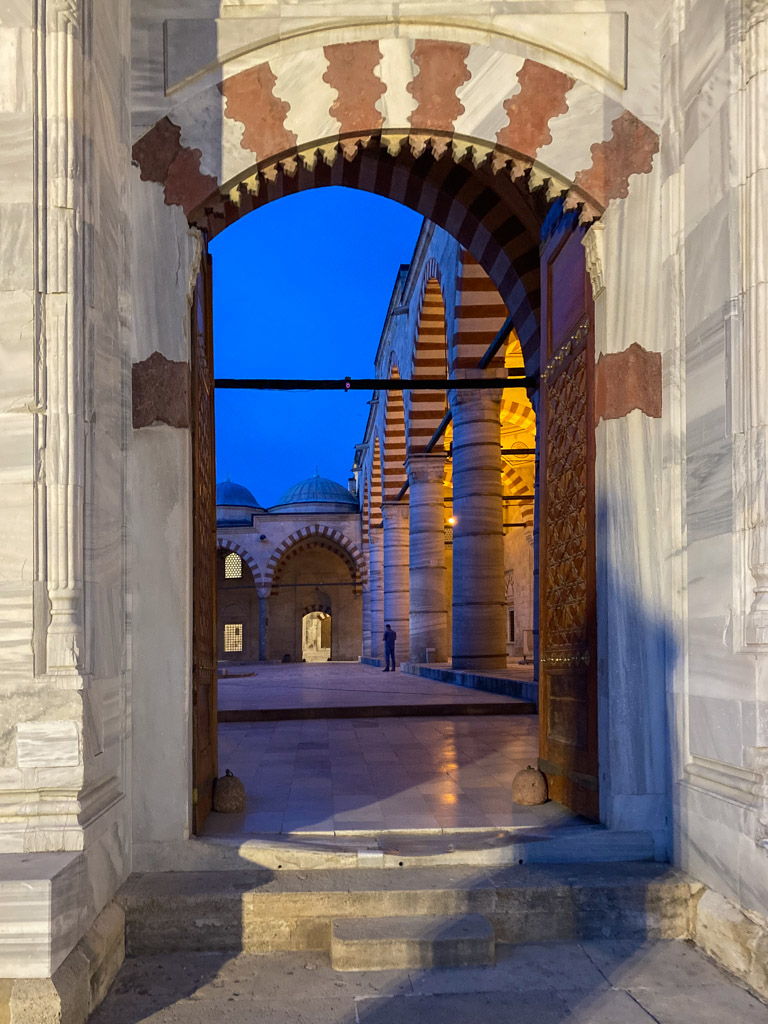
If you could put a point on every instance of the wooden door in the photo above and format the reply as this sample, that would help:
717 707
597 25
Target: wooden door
567 622
204 653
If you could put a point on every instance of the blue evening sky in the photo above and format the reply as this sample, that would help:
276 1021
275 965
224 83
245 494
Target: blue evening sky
301 289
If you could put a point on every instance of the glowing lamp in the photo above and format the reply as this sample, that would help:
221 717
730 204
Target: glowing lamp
451 520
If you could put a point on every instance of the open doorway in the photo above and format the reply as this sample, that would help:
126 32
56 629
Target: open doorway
316 637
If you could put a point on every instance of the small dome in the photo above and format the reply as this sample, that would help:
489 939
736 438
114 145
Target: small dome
317 490
228 493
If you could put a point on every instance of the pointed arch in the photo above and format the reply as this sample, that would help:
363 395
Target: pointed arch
319 537
375 519
225 544
430 359
393 461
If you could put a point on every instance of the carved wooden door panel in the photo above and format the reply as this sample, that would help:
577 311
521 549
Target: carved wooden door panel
204 653
567 622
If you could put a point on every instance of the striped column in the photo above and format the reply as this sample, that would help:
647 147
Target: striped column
479 636
376 591
396 574
428 618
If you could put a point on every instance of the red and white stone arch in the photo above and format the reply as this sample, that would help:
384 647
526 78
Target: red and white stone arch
448 128
225 544
430 359
352 554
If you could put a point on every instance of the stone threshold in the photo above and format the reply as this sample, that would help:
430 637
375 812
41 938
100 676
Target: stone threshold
502 682
580 843
411 710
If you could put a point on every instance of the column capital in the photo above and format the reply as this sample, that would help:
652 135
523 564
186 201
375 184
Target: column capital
395 512
425 467
465 401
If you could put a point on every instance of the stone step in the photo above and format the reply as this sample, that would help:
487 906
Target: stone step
259 911
392 943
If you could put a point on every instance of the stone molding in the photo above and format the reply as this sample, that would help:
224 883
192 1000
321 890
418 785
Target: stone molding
755 283
59 282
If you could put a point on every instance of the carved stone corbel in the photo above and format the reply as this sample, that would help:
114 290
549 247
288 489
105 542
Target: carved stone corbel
594 245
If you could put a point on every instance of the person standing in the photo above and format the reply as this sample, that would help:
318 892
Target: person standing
389 647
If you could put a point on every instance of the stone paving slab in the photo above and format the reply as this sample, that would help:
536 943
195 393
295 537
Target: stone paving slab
558 983
385 774
339 684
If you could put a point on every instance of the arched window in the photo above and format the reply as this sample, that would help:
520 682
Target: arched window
233 566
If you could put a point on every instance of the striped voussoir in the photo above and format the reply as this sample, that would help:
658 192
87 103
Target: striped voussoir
375 519
316 536
480 314
394 442
225 544
430 359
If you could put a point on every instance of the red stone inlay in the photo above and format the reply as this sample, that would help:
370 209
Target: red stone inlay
351 71
442 69
542 96
250 99
160 392
628 380
162 158
630 150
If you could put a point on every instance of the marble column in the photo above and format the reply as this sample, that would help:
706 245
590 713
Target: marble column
448 552
376 591
264 593
428 619
396 573
479 633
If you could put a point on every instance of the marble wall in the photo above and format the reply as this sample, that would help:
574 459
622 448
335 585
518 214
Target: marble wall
96 270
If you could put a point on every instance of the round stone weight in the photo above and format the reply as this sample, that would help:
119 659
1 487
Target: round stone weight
529 787
229 794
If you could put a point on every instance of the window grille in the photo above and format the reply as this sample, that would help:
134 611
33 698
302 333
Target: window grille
233 637
233 567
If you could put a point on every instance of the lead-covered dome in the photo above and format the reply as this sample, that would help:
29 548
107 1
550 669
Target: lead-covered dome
319 491
235 505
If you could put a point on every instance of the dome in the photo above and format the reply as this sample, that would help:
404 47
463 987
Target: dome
228 493
318 490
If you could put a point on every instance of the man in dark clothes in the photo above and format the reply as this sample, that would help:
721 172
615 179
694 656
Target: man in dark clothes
389 647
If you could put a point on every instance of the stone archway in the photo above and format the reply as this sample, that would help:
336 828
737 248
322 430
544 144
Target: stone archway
486 162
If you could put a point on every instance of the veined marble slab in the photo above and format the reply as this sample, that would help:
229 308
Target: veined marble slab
42 908
598 41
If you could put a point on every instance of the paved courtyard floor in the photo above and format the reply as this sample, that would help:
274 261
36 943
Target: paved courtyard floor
339 684
386 774
565 983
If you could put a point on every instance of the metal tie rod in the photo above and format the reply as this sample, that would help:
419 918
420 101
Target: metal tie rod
514 380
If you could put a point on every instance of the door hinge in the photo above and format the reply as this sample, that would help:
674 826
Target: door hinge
194 797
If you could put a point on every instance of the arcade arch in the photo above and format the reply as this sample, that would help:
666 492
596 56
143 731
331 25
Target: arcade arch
315 574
